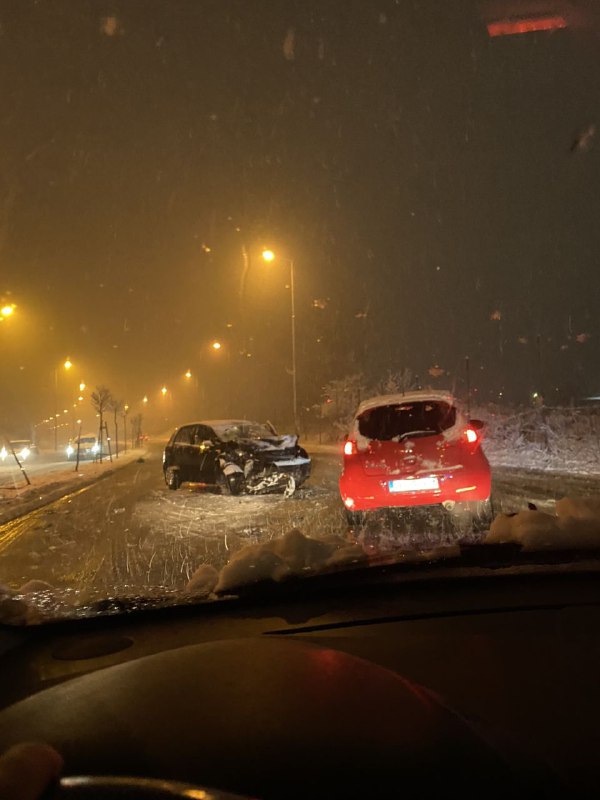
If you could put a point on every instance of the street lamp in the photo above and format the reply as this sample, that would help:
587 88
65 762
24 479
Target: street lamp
188 374
216 345
7 310
67 364
269 256
163 391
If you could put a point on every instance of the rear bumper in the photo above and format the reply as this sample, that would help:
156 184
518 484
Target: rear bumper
365 493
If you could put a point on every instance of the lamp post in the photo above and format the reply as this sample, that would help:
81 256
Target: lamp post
269 256
67 366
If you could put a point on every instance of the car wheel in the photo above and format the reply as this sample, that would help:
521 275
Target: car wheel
473 517
355 518
172 478
290 486
231 484
483 514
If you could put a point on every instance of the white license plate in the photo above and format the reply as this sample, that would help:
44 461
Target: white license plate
414 485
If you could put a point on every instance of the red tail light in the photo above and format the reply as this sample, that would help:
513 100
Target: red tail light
471 435
350 448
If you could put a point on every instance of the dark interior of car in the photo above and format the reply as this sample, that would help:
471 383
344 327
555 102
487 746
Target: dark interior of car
483 684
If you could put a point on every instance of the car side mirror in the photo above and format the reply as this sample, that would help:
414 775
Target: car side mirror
476 424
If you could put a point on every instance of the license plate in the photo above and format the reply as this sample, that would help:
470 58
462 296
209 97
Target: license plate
414 485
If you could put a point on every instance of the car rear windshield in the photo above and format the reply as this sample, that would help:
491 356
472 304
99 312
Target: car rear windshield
400 419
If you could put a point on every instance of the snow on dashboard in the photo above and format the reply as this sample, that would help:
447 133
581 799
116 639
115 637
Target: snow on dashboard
576 525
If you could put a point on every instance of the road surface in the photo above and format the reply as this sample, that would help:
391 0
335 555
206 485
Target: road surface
128 534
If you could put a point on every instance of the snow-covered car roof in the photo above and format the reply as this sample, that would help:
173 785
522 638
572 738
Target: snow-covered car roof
419 396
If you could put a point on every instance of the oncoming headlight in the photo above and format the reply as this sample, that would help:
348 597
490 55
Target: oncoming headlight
95 448
3 453
70 449
24 454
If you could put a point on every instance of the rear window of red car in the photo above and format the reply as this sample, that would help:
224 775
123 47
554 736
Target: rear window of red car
390 421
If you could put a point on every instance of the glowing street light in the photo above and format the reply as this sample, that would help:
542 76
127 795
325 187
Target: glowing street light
67 364
7 310
269 256
144 399
163 391
216 345
188 374
81 386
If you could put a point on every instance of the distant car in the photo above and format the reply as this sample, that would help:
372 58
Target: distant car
415 449
89 447
238 456
24 449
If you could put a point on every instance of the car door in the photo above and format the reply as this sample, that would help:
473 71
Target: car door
205 455
194 453
182 454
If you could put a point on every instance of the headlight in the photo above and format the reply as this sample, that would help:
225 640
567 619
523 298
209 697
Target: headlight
70 450
24 454
3 453
95 448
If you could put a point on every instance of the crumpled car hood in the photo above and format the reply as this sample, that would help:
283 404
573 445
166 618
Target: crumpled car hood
276 443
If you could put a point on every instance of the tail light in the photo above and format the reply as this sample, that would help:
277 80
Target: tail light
471 436
350 448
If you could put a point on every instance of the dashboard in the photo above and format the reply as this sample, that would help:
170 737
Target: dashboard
464 684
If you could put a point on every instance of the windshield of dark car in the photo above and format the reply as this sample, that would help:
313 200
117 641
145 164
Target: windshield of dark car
243 430
399 419
243 244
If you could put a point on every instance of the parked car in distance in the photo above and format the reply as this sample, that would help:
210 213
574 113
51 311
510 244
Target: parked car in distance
89 447
24 449
415 449
238 456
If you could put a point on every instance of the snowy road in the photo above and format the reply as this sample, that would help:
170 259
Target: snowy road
128 534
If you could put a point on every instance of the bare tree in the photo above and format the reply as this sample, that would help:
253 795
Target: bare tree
136 430
101 400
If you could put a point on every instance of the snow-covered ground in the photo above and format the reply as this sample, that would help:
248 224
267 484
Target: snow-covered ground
51 481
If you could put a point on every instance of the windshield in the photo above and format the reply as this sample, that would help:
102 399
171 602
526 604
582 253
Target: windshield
230 431
318 279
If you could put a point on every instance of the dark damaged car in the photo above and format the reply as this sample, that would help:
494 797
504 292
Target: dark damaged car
237 456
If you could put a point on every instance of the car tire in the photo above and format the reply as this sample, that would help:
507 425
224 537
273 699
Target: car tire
231 484
355 518
474 517
172 478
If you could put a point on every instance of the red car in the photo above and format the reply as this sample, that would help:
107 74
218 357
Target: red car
415 449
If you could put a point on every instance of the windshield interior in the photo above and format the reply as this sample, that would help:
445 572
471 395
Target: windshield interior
238 211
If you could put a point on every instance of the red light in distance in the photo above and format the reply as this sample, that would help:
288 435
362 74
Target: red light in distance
510 27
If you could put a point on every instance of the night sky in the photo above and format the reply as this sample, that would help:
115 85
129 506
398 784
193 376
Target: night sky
436 188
